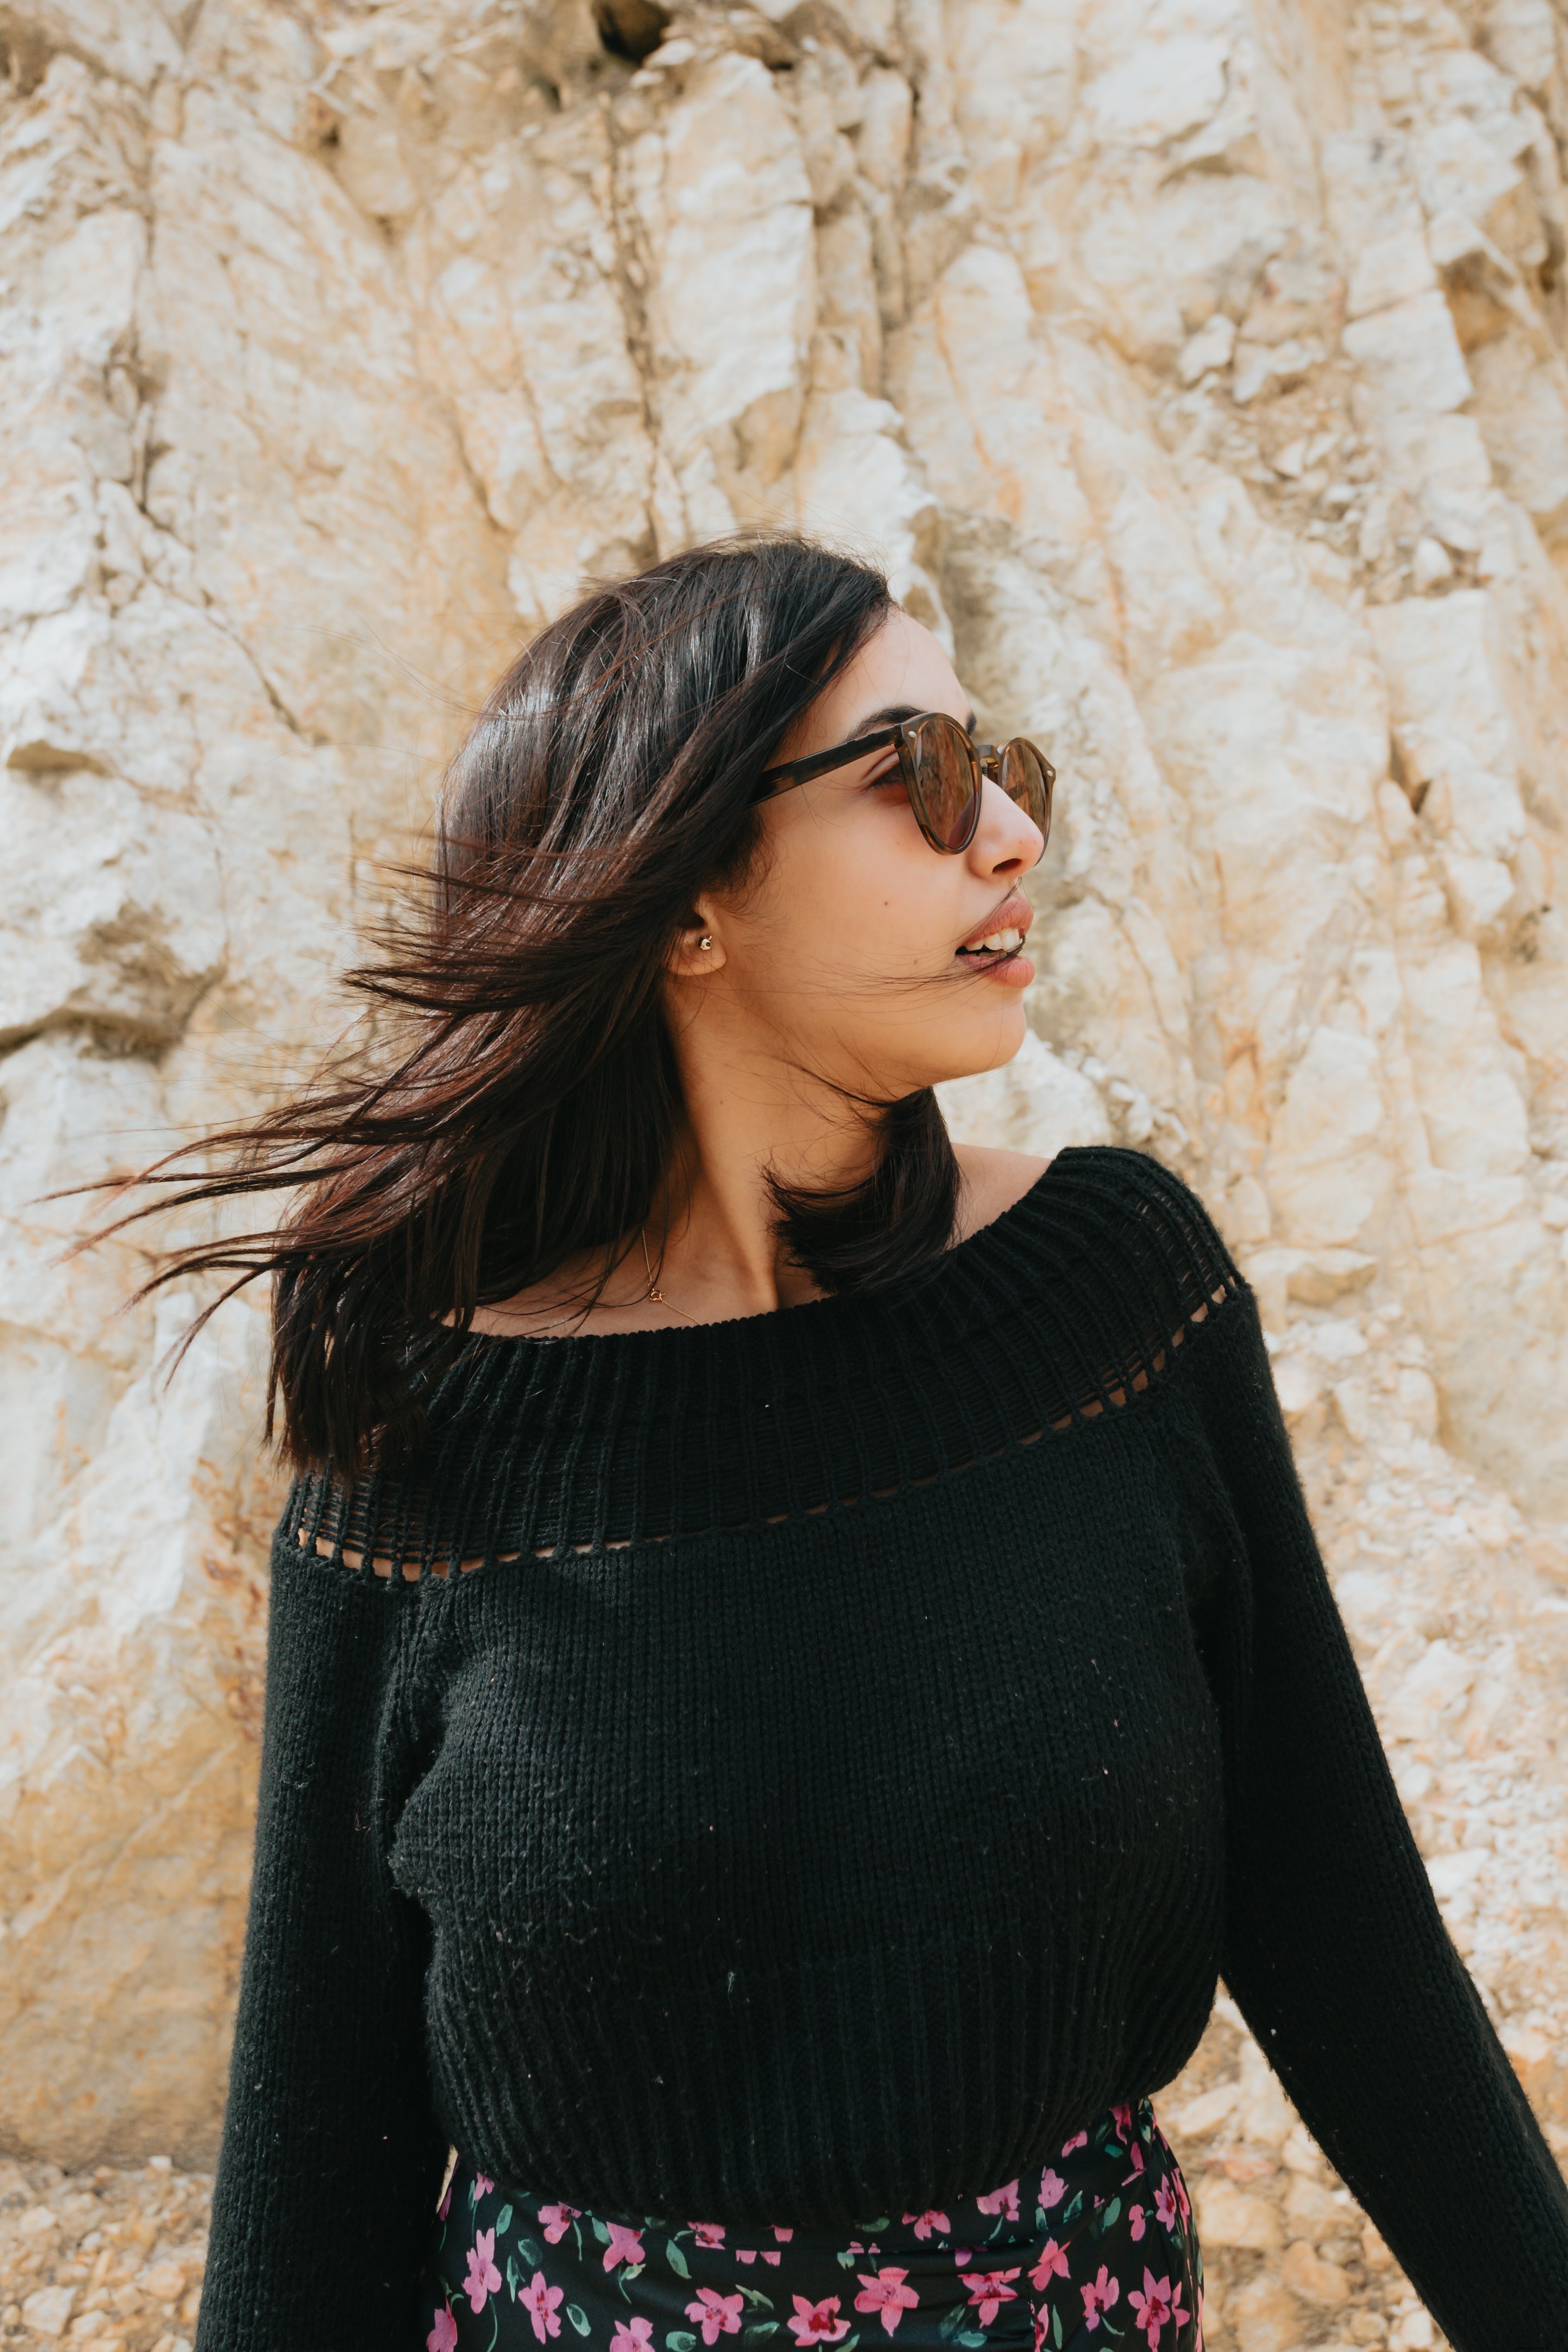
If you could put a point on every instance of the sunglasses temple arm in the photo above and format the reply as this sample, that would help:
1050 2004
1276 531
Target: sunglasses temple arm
801 772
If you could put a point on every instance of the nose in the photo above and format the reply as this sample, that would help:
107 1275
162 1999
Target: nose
1007 839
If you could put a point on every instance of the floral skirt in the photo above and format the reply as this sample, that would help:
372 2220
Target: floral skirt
1095 2250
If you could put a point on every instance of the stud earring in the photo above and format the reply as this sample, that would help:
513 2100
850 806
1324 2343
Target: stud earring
705 941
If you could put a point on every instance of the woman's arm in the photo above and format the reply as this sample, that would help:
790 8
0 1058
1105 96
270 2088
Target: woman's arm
1335 1949
331 2162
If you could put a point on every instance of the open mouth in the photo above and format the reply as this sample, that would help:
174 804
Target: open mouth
995 946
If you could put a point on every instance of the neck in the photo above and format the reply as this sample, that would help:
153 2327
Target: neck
747 1118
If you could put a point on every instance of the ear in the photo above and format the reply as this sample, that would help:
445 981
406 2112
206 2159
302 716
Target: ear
698 947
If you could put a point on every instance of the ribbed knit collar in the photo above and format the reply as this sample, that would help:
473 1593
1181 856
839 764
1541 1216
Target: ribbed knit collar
1061 1309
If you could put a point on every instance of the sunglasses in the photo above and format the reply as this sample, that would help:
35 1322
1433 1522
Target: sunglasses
943 769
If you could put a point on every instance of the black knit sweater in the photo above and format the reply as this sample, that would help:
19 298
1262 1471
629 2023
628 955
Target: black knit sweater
863 1734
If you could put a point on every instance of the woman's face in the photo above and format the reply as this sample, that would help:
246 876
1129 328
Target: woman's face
854 948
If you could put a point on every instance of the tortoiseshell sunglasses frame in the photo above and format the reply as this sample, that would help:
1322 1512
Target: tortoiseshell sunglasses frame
984 759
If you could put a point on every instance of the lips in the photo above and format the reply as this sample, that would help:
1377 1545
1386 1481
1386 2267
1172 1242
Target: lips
1002 932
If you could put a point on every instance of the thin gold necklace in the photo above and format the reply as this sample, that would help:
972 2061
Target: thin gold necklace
653 1295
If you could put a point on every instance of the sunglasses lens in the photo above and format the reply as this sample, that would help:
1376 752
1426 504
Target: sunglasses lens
1026 779
949 782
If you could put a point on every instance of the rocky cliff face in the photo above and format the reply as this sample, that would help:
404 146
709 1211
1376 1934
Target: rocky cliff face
1198 364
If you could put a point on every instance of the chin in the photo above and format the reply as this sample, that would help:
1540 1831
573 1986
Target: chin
988 1045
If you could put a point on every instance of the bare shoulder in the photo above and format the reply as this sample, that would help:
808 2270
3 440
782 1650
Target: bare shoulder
993 1181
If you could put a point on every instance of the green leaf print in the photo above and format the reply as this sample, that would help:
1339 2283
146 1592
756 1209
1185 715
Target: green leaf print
677 2262
1110 2215
871 2228
532 2253
601 2231
846 2261
503 2221
680 2339
1056 2328
759 2330
951 2321
969 2337
514 2276
1073 2208
755 2297
578 2317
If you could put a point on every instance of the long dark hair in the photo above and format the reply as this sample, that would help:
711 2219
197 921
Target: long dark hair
528 1111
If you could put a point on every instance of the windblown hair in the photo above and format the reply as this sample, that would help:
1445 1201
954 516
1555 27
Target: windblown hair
529 1109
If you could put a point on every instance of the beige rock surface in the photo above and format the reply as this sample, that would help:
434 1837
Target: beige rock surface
1200 366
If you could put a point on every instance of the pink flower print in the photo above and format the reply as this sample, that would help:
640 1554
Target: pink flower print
707 2233
773 2256
1079 2139
557 2221
744 2254
1003 2200
1156 2304
960 2255
817 2323
784 2237
716 2314
443 2336
483 2278
1042 2321
1137 2221
633 2335
625 2246
1165 2206
483 2186
1053 2189
926 2223
538 2299
1136 2153
1121 2116
1182 2198
886 2292
1099 2296
990 2290
1053 2263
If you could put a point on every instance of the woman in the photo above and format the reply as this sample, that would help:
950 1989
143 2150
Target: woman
797 1650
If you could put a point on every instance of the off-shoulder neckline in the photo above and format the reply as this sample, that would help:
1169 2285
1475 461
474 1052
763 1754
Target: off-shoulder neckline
476 1345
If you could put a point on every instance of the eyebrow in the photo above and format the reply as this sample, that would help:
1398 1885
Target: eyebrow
890 715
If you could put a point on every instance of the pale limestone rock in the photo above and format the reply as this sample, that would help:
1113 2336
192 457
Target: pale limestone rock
100 926
724 202
1229 2217
1316 2281
1037 1102
1263 2317
1209 349
1167 355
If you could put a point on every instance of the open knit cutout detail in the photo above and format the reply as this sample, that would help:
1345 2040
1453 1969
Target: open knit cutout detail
412 1569
602 1444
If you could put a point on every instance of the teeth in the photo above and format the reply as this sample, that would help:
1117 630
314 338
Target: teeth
1007 940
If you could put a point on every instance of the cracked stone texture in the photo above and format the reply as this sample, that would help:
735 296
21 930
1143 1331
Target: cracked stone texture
1199 366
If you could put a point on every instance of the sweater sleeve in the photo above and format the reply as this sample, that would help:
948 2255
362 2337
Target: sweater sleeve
331 2162
1334 1947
